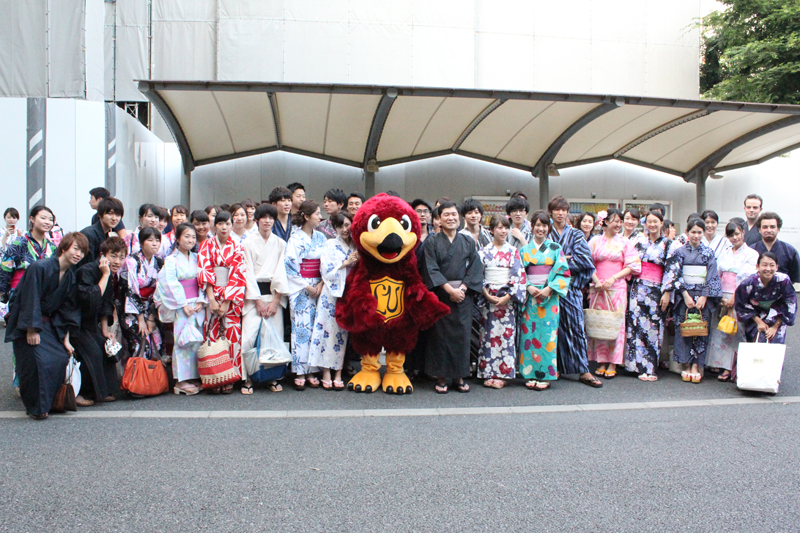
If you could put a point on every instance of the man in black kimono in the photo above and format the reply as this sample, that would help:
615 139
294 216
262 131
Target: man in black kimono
109 211
769 224
454 272
752 210
97 283
42 315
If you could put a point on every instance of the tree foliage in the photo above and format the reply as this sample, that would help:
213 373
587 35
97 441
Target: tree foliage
751 52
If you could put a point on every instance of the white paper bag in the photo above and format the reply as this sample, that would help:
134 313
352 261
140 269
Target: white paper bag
759 366
74 375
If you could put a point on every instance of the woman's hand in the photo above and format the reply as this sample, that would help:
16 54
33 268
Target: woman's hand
545 293
688 300
494 300
142 326
665 298
701 302
33 337
504 300
213 306
607 284
772 331
312 291
223 309
728 302
189 309
533 291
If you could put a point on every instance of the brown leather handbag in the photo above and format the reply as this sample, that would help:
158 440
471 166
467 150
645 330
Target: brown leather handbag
143 376
64 399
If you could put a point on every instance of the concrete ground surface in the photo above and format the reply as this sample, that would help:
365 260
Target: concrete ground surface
632 456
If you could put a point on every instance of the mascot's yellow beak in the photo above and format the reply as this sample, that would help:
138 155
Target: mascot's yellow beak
388 240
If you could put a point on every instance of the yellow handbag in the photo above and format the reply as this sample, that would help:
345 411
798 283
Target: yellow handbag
728 324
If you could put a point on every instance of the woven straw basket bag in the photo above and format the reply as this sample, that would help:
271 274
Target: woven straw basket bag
694 328
601 324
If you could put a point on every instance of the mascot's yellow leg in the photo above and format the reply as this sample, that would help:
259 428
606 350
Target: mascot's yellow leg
369 378
395 379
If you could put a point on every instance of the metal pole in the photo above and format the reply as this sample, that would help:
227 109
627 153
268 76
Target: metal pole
544 188
186 188
369 184
700 183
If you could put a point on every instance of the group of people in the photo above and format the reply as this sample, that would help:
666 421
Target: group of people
521 283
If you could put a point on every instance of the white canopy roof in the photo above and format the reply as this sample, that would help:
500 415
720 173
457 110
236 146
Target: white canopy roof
362 126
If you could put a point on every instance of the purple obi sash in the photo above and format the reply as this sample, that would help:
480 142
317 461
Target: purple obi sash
538 274
190 288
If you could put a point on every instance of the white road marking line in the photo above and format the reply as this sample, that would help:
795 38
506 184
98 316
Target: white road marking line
449 411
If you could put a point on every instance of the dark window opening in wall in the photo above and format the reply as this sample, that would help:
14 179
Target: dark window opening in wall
138 110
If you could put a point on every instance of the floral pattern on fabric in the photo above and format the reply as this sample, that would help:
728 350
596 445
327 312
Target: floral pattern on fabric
498 323
776 300
538 354
138 273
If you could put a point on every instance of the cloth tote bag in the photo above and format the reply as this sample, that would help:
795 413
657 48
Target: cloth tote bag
759 366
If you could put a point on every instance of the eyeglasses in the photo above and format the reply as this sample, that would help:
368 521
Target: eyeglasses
423 211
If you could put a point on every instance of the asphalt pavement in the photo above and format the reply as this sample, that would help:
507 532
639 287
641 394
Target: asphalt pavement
700 462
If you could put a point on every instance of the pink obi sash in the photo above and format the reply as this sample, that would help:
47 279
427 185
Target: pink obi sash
16 278
309 268
606 269
728 282
190 288
652 272
538 274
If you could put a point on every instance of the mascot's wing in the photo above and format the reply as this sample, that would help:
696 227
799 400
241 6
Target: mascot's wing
427 308
356 310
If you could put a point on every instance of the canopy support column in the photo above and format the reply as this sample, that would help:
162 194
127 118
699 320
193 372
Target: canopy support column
369 184
544 187
186 188
700 183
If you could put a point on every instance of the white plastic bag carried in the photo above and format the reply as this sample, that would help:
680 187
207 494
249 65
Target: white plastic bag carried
759 366
269 350
74 375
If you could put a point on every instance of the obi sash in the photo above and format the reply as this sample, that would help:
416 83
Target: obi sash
309 268
652 272
496 275
17 277
538 274
147 292
265 287
607 269
190 288
694 274
766 305
221 274
728 282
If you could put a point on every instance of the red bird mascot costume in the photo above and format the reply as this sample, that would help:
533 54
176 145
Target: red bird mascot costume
385 303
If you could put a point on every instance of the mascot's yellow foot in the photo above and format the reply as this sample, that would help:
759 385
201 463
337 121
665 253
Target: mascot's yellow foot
368 379
395 381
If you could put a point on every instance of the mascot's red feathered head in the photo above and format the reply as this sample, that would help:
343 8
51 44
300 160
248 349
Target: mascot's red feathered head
386 228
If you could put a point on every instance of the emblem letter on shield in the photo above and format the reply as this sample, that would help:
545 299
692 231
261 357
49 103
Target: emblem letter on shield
389 293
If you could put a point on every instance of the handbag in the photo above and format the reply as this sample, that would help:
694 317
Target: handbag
64 400
272 361
759 366
144 376
602 324
695 326
214 363
727 324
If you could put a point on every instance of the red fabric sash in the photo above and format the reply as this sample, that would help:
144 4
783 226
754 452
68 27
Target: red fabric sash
309 268
17 277
147 292
652 272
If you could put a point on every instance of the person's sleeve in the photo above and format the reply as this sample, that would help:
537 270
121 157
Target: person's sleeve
432 274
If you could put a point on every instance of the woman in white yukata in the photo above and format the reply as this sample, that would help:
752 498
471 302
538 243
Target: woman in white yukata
303 253
180 301
328 340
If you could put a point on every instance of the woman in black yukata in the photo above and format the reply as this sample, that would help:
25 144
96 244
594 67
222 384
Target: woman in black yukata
98 292
43 314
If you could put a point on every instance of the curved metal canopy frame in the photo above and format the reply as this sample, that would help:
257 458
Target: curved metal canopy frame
785 116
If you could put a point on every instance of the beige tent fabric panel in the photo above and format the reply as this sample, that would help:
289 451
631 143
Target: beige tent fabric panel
303 117
706 136
405 124
499 128
349 123
201 122
451 120
614 130
537 136
763 146
249 119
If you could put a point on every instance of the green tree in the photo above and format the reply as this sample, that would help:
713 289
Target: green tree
751 52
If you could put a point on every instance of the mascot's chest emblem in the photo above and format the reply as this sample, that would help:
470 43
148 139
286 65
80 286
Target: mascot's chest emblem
389 293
